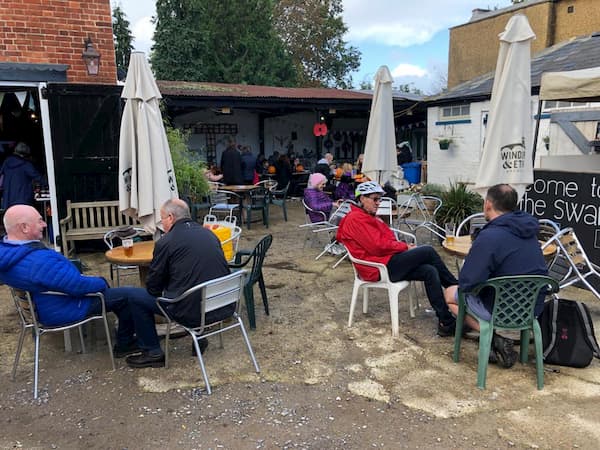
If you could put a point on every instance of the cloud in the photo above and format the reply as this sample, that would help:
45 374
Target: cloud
143 29
404 24
409 70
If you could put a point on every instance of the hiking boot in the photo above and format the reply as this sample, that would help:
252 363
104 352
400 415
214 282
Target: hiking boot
120 351
203 343
504 351
446 330
146 360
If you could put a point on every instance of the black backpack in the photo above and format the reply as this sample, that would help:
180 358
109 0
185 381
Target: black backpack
568 333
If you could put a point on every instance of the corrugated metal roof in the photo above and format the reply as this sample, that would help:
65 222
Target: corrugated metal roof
222 90
579 53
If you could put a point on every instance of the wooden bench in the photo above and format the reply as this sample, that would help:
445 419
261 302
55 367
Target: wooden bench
90 220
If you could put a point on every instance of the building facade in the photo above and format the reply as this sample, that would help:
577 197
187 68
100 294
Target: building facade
473 47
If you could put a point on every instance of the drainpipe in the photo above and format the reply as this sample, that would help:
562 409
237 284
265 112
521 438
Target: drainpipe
551 24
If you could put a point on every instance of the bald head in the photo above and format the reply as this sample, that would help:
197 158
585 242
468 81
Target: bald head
172 210
23 223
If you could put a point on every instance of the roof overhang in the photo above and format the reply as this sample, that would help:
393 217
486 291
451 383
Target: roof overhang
10 71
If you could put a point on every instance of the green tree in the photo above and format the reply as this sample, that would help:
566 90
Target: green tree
123 39
221 41
313 34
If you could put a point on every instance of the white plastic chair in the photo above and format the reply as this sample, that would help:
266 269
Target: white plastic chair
386 208
29 320
393 288
212 295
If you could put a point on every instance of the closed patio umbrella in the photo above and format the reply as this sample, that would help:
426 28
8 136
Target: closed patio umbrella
380 147
146 175
507 150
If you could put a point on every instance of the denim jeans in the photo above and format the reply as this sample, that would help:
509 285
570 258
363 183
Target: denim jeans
424 264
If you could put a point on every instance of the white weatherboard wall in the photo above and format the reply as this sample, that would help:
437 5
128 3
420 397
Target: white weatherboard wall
461 161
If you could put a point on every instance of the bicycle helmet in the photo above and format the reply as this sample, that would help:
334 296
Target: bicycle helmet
368 187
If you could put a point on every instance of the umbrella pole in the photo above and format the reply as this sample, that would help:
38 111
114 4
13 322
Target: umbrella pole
537 130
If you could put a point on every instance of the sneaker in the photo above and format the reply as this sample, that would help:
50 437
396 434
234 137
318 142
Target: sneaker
504 350
146 360
120 351
446 330
203 343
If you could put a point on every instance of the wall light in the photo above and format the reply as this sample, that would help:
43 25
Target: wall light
91 57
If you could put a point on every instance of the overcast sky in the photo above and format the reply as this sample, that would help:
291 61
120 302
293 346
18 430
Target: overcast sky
410 37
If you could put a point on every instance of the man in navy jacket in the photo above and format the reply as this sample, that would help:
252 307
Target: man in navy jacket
27 264
506 245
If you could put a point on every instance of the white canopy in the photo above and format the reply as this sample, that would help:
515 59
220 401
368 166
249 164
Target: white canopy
507 150
146 175
573 84
380 146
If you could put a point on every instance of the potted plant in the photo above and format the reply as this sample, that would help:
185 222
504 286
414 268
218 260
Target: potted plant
189 170
444 143
546 140
458 203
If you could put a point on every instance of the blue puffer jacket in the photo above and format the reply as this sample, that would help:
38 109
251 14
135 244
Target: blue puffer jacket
507 245
35 268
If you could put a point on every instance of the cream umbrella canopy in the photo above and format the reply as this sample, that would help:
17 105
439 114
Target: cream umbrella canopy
380 147
507 150
146 175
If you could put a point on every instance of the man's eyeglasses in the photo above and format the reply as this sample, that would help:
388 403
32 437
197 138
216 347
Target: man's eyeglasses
376 199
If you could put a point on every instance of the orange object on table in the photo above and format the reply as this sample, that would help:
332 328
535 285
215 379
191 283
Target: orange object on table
223 233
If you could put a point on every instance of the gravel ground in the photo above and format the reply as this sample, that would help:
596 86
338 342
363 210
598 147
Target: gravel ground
322 385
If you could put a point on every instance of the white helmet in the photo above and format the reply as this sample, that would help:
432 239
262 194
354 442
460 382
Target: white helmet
368 187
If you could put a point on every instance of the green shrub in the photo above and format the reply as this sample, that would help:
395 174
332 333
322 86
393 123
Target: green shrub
433 189
458 203
189 169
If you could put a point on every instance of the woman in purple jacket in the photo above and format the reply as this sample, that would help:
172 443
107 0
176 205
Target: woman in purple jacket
316 199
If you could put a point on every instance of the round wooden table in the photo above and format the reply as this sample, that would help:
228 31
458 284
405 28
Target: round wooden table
141 257
462 244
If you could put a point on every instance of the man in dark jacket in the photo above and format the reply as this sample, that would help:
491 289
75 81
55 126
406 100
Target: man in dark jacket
231 164
248 165
19 174
187 255
506 245
27 264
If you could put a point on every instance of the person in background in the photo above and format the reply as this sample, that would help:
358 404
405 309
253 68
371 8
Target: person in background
359 163
324 165
283 174
231 164
18 174
368 237
248 165
316 199
403 153
506 245
213 174
345 187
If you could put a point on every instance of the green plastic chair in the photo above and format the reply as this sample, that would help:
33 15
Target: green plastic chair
278 197
514 303
259 201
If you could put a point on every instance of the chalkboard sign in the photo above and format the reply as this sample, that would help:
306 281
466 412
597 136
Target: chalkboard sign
570 199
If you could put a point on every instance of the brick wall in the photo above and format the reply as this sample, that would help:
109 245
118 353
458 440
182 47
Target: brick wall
473 47
53 32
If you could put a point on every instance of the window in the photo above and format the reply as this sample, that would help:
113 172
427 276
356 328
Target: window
560 104
455 112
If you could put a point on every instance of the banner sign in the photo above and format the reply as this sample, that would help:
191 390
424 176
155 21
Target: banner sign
570 199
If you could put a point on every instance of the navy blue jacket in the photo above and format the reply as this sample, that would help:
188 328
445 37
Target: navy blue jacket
507 245
18 177
35 268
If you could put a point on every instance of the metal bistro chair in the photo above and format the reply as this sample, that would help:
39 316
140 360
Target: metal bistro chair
414 214
331 230
393 288
219 294
224 202
386 208
109 240
311 226
575 269
515 298
257 257
29 320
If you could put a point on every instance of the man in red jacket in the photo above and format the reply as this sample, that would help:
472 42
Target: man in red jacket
368 237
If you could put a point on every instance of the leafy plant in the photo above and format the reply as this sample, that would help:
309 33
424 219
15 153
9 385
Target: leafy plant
458 203
445 141
433 189
189 169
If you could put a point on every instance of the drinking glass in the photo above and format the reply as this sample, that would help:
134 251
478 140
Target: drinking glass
450 228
